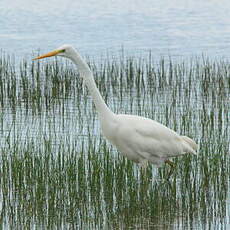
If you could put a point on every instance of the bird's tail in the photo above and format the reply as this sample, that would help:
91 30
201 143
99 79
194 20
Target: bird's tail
191 145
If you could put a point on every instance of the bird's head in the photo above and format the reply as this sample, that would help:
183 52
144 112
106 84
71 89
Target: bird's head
66 51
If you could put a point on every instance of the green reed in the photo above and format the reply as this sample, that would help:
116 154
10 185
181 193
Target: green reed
58 172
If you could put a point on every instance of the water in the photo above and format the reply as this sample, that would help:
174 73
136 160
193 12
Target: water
57 171
175 28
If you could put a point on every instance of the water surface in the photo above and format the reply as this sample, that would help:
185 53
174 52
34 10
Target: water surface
57 171
175 28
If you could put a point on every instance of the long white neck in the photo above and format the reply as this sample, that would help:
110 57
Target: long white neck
87 75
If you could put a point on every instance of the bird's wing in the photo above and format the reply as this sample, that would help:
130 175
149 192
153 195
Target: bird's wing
154 139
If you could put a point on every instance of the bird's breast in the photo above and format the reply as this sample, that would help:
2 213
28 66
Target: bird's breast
109 129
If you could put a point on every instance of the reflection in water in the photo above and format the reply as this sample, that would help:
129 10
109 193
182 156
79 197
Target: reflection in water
57 171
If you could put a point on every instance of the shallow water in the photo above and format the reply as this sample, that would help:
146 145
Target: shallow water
176 28
57 171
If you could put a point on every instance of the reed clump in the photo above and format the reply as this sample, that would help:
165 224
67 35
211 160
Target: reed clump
57 171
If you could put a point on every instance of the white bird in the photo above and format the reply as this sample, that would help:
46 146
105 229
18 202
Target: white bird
140 139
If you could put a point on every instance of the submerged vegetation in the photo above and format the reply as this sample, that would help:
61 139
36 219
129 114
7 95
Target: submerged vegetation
58 172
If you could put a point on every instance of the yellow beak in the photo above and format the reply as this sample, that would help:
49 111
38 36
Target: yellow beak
50 54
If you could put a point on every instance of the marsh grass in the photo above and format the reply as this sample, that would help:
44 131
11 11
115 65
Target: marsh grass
58 172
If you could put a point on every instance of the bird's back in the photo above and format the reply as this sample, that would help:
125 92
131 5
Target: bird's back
141 138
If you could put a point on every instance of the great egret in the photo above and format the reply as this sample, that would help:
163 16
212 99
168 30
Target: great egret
138 138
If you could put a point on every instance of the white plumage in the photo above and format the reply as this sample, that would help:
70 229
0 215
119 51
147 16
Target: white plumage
139 139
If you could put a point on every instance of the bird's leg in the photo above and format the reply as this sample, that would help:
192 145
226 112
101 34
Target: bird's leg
172 167
144 179
170 163
143 164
